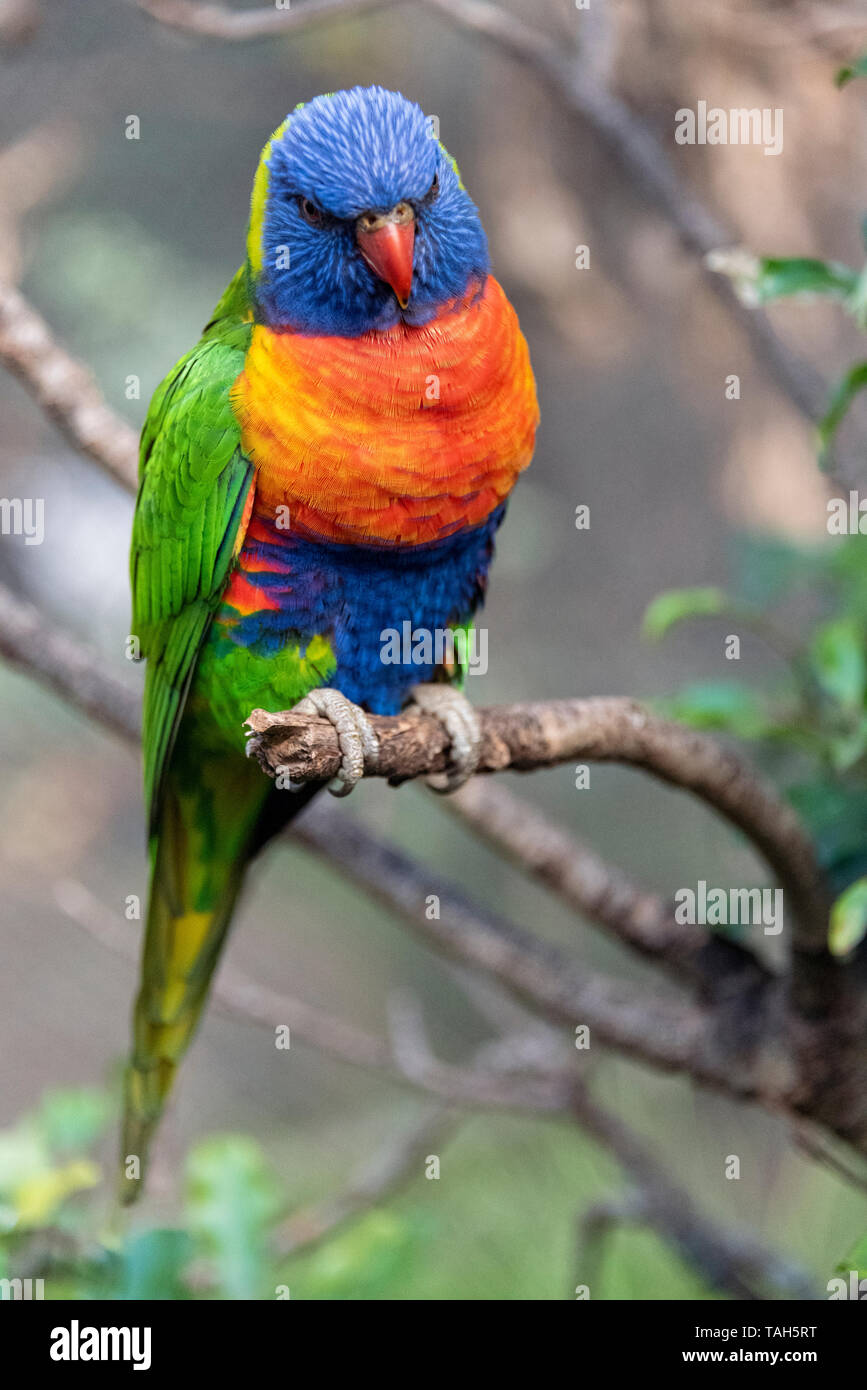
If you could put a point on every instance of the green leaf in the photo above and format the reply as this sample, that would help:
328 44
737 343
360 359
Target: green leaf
847 575
846 749
856 1259
725 706
73 1119
845 75
677 604
40 1196
838 661
232 1198
848 919
835 814
844 394
782 277
153 1264
771 567
366 1260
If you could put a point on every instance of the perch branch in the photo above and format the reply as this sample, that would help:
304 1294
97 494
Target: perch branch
666 1034
534 735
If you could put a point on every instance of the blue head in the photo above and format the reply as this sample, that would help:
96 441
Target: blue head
359 219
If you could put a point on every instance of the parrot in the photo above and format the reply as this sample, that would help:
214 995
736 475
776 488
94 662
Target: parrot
330 461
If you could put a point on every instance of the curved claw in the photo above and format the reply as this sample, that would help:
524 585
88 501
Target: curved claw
461 723
359 746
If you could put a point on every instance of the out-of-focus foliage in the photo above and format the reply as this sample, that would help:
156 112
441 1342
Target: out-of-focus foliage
846 74
818 706
760 280
44 1159
228 1244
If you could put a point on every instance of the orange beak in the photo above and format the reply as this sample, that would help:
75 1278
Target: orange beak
387 244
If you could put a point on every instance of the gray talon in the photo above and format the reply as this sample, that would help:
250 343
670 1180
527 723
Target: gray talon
460 721
359 746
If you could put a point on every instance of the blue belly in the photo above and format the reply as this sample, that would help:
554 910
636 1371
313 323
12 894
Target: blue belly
356 595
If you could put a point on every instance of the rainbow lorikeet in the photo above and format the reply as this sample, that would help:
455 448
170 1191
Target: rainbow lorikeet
331 460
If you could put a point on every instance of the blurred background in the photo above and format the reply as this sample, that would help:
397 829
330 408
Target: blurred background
125 246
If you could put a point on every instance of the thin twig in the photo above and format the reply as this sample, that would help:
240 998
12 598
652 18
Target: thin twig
400 1161
732 1262
403 1156
815 1145
220 22
234 994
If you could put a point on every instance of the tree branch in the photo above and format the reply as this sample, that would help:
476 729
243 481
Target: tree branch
219 22
400 1161
666 1033
38 647
733 1262
237 996
65 389
533 735
601 891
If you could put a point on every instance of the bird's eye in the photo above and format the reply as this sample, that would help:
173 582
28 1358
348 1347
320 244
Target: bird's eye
433 191
310 212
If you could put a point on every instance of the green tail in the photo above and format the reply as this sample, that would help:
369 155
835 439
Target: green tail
211 823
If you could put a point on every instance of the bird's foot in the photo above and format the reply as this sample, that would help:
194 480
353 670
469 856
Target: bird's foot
461 723
359 746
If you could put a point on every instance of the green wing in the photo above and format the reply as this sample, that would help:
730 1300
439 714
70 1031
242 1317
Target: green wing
194 483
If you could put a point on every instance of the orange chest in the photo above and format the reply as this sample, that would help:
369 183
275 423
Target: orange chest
402 437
